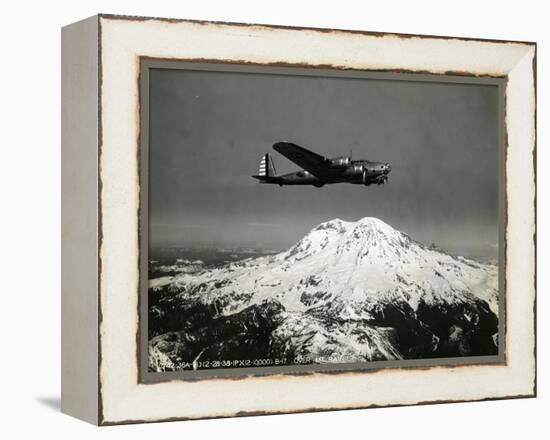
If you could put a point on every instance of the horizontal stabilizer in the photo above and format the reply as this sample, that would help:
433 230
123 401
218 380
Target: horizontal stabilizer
268 179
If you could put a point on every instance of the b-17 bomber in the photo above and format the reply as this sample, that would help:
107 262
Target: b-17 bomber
318 171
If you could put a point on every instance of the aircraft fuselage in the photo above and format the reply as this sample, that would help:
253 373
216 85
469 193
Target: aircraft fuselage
375 173
318 170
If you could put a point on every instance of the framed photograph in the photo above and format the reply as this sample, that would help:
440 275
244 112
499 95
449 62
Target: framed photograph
262 219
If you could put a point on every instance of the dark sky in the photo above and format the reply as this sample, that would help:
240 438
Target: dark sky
208 131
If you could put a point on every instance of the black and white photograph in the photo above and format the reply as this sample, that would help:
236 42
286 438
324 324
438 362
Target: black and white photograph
244 220
321 221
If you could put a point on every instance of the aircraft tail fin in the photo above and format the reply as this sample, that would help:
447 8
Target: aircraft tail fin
267 173
267 169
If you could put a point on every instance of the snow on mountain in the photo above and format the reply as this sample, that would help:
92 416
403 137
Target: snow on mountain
360 260
353 290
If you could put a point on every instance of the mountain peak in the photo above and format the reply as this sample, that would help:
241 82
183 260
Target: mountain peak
373 224
337 224
337 237
369 226
372 221
366 228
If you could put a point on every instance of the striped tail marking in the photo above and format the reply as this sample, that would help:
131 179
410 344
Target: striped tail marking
263 166
267 169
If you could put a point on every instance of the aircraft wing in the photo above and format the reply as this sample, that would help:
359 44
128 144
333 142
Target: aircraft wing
308 160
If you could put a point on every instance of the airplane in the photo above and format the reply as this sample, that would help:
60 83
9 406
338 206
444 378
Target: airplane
318 170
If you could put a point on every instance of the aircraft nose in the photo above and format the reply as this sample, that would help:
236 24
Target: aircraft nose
387 168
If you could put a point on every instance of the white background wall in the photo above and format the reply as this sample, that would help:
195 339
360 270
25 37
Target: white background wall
30 216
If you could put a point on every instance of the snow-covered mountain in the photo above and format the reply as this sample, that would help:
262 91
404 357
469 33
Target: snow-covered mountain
346 292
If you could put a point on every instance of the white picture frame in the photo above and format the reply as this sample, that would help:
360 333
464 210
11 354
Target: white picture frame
101 211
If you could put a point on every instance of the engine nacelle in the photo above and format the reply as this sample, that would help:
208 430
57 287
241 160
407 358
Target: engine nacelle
340 162
367 176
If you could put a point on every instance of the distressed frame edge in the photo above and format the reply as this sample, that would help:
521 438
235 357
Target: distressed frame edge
79 226
142 18
314 410
532 114
103 422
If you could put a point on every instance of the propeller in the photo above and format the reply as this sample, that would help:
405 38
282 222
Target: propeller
382 180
